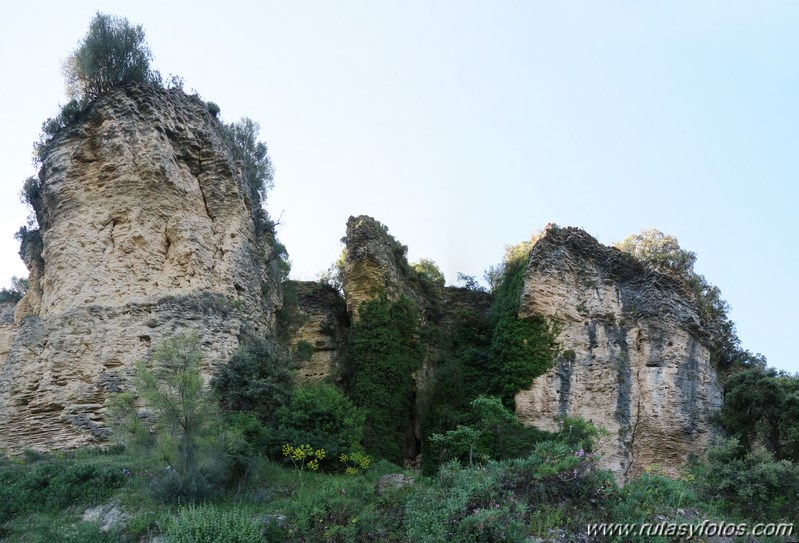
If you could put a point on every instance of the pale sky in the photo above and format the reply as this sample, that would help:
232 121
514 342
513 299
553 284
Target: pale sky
465 126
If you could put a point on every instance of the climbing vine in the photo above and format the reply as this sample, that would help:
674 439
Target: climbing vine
384 352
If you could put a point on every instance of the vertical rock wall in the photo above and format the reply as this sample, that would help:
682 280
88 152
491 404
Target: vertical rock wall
323 324
147 230
633 355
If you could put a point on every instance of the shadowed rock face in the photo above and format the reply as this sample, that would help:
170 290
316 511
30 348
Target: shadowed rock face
146 231
323 325
634 359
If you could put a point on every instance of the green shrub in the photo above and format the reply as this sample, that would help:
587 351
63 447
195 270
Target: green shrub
51 485
321 415
186 426
63 528
762 406
649 495
429 271
112 54
336 511
211 524
521 349
384 352
213 108
466 504
750 485
242 139
303 351
493 432
258 378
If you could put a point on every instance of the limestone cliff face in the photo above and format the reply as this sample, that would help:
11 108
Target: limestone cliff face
373 263
147 230
7 330
323 324
376 264
634 359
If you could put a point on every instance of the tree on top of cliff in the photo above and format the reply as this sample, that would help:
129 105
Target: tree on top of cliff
660 250
664 253
515 255
113 53
253 154
430 270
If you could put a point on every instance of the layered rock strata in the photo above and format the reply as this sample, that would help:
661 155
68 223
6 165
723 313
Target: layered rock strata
634 358
322 324
146 230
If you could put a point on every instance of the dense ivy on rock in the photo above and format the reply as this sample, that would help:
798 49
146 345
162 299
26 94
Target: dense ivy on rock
521 348
384 352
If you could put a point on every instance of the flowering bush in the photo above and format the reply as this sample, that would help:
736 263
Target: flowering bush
303 456
355 462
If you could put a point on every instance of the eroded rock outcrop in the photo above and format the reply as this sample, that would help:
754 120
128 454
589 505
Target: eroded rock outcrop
147 230
633 361
7 330
322 323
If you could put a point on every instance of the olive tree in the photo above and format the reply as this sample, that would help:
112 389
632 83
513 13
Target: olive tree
257 167
113 53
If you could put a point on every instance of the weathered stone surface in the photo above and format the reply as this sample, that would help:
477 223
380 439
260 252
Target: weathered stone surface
109 517
324 326
393 482
634 359
7 330
147 230
373 264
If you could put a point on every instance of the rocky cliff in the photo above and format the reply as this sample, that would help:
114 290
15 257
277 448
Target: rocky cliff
322 322
146 230
633 359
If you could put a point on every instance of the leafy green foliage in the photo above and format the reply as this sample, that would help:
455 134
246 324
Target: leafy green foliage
466 505
210 524
31 195
493 432
521 348
303 351
664 253
459 375
185 420
30 243
113 53
289 317
258 378
493 502
429 270
253 156
515 256
469 282
660 250
497 354
19 286
128 428
749 484
762 406
384 353
647 496
320 414
53 485
213 108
